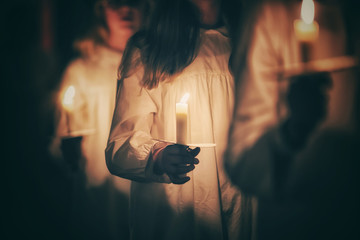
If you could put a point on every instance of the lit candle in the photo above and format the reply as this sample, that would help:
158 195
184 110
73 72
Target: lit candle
182 119
306 29
68 103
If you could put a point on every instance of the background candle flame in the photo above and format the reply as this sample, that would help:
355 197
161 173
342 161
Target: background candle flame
69 97
185 98
308 11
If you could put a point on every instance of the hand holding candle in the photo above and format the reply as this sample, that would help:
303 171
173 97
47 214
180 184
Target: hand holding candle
176 161
305 113
306 29
182 120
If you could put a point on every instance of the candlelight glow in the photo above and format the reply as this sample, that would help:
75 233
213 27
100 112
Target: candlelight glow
308 11
68 98
306 29
185 98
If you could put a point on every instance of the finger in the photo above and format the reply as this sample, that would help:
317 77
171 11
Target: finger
179 180
180 159
183 153
318 104
184 169
177 149
190 160
323 80
194 161
305 82
194 152
174 162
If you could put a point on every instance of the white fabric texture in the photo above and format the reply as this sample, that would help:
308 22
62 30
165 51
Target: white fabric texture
95 81
100 199
197 209
261 105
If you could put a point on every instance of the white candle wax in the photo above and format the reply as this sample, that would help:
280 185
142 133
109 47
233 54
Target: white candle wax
306 29
182 120
306 32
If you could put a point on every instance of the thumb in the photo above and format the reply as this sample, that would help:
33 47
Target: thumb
194 152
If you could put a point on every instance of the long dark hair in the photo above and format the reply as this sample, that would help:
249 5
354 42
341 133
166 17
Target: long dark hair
167 44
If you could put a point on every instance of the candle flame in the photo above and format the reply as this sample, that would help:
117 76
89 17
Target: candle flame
68 98
185 98
308 11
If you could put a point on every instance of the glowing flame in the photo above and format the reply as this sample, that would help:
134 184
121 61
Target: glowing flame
185 98
68 98
308 11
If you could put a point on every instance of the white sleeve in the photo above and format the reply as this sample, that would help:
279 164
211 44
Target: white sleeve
130 144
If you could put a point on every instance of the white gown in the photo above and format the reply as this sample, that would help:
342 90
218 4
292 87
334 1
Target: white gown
261 107
197 209
94 78
95 81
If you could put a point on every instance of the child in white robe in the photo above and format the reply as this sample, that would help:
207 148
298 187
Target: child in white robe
141 147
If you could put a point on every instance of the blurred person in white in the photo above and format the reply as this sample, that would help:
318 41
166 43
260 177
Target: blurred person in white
185 48
294 140
86 100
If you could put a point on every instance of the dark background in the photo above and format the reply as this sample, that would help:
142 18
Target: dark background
36 45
